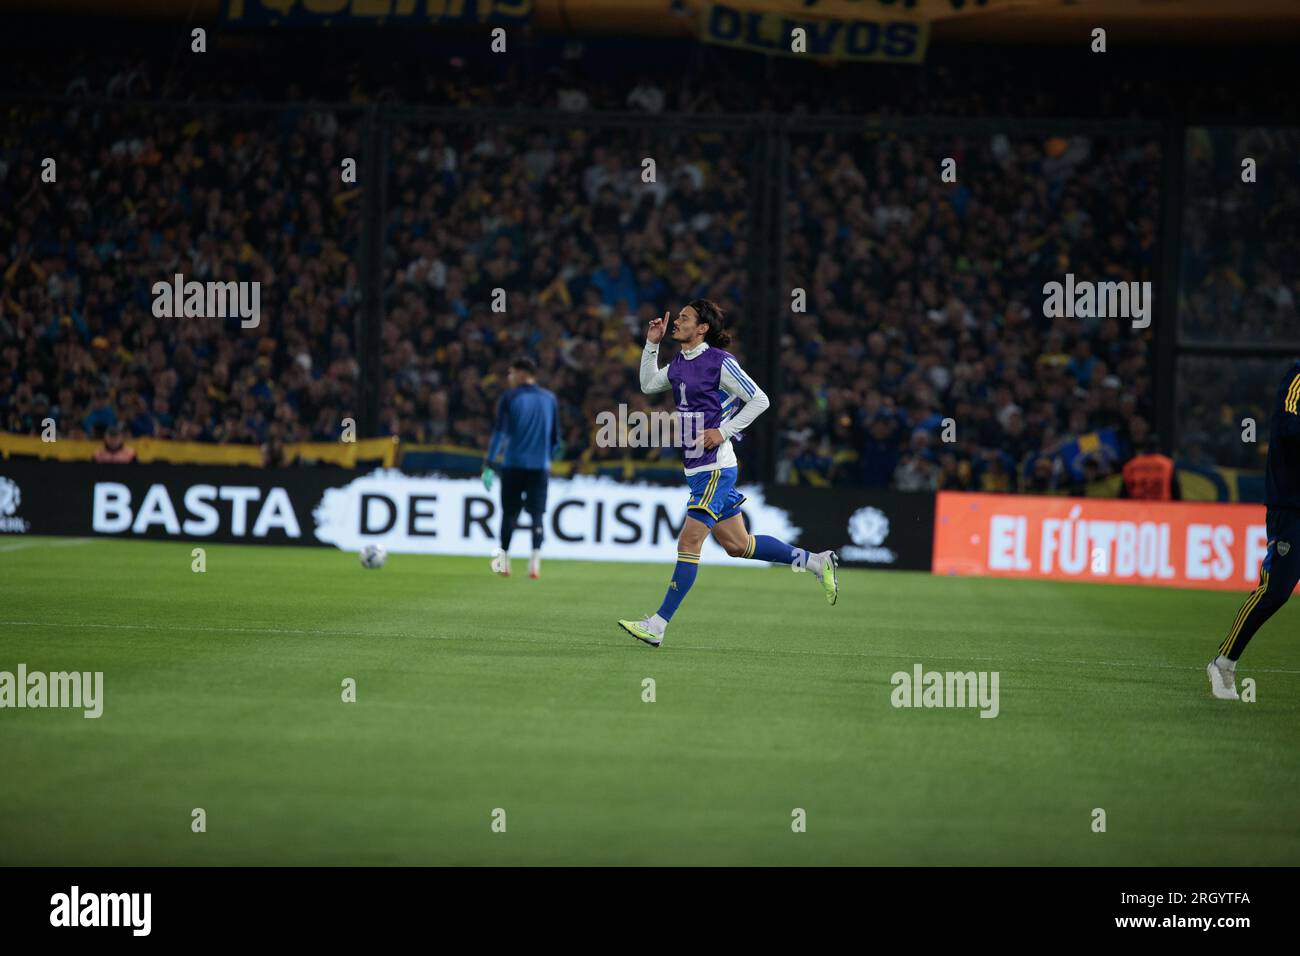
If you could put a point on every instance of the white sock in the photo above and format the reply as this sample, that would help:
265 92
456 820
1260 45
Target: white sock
657 623
1225 664
815 563
536 558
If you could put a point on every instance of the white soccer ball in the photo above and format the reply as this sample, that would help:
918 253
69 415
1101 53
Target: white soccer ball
373 556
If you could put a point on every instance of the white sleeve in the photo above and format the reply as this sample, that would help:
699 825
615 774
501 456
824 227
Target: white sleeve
653 378
735 382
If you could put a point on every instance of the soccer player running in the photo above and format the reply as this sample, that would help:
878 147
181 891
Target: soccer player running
527 431
1280 570
709 387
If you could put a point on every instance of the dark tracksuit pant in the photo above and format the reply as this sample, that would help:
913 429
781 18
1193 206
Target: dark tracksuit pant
1278 576
523 488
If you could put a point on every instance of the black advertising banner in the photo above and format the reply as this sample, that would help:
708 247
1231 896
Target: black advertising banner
588 518
869 528
213 503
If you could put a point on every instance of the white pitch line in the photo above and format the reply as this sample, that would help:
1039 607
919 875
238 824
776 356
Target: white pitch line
48 543
190 627
226 629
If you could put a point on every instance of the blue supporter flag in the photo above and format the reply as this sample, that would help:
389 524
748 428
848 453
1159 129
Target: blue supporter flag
1102 445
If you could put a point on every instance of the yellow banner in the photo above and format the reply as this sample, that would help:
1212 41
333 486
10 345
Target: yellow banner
346 454
314 13
148 450
817 37
887 9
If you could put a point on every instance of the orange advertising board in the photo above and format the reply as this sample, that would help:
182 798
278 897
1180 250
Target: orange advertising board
1172 544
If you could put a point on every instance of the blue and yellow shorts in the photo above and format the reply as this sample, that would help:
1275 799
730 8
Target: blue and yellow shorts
714 496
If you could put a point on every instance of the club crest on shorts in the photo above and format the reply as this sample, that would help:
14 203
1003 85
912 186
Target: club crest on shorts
1283 548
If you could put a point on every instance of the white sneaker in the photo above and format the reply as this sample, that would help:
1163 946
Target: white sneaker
648 630
1223 680
500 563
828 575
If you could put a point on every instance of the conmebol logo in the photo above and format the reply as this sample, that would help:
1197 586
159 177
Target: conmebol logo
868 529
11 497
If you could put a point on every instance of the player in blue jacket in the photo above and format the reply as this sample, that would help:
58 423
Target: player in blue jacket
526 435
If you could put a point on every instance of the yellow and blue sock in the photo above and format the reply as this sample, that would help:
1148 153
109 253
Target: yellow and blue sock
763 547
688 566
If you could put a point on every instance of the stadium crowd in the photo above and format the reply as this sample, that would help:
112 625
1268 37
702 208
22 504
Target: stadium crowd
153 63
924 298
138 197
1240 284
586 252
926 304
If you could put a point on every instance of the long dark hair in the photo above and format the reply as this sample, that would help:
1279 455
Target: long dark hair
707 311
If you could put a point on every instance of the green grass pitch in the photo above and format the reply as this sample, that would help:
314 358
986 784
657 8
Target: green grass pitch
223 691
